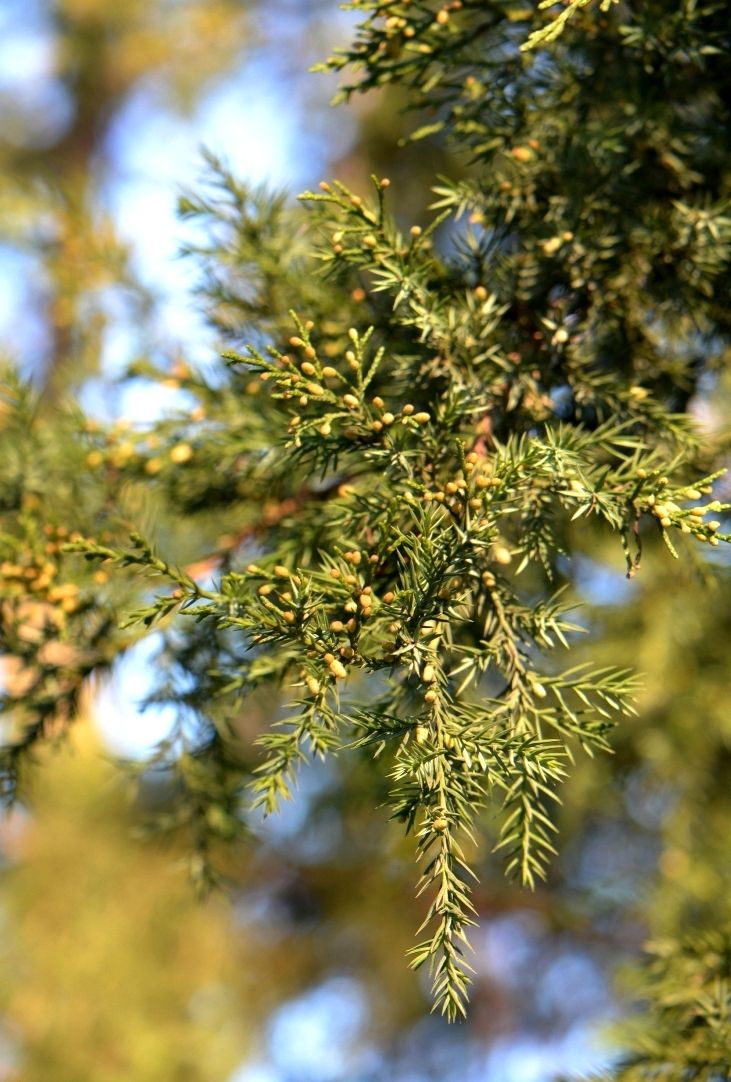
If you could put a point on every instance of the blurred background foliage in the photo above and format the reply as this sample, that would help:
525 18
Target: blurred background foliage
109 967
112 969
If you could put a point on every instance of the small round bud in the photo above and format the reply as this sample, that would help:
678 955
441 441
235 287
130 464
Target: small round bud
388 597
422 418
388 418
182 452
337 669
502 554
428 674
551 246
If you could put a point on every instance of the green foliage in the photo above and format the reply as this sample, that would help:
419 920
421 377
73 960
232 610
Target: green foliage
554 29
58 626
687 991
421 424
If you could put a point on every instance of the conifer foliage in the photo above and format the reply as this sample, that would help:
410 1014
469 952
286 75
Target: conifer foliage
417 424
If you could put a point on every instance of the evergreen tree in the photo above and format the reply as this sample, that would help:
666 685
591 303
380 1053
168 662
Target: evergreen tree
421 426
